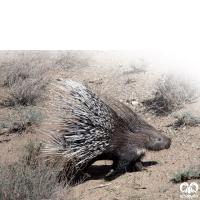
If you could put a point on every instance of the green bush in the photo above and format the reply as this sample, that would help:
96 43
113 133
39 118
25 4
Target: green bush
24 119
186 119
2 124
190 173
32 116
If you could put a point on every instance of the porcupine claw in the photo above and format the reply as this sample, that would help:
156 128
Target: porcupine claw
111 173
139 167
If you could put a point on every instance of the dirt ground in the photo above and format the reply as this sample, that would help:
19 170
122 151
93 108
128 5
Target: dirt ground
109 74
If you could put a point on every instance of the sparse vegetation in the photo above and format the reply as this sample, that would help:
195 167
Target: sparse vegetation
27 92
138 67
172 92
24 79
16 72
20 119
26 83
33 116
190 173
135 197
2 124
70 59
28 178
185 119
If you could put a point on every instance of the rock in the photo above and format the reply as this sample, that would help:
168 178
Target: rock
96 81
134 103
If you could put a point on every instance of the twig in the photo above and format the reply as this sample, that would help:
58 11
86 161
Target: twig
100 186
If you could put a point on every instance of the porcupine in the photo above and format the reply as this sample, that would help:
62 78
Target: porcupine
91 129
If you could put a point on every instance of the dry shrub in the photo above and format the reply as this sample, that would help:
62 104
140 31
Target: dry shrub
27 73
28 92
23 64
25 118
137 67
172 92
70 59
25 81
15 74
28 178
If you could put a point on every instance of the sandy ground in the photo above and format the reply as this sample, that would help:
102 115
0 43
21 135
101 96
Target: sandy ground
108 74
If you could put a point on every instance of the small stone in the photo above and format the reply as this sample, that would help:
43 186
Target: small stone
134 103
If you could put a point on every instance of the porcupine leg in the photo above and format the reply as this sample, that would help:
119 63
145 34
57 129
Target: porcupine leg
138 165
118 166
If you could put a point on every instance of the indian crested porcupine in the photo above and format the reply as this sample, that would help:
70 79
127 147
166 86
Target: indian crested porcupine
90 130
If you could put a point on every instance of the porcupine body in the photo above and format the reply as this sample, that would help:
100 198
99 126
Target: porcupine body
91 130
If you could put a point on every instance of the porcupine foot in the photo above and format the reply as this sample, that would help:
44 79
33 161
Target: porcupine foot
118 167
139 167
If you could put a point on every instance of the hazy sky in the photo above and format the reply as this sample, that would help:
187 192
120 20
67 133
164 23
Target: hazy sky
183 61
186 61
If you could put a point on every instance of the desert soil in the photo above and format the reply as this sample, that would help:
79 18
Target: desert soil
108 74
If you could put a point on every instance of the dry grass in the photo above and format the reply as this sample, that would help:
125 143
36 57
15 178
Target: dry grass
172 92
27 178
72 59
25 82
25 76
137 67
